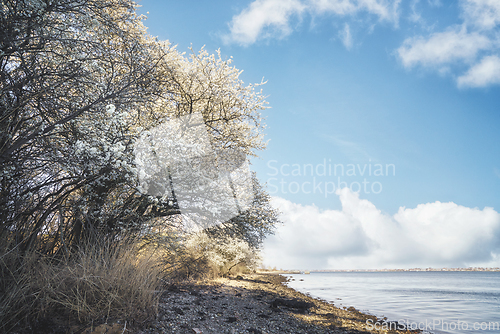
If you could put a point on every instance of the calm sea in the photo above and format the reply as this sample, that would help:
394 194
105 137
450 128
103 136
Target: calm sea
438 302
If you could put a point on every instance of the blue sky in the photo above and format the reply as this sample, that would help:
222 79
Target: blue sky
413 86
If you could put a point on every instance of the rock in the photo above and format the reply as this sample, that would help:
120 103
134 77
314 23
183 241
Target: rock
291 303
178 310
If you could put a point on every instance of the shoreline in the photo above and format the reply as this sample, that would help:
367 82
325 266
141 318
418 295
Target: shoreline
296 272
252 303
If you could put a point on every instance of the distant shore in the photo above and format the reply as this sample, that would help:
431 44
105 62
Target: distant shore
292 272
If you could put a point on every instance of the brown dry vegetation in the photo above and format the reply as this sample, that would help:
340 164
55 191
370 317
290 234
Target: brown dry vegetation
104 281
98 283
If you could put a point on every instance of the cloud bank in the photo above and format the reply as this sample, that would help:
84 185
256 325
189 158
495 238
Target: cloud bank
474 43
469 51
266 19
362 237
443 48
484 73
273 15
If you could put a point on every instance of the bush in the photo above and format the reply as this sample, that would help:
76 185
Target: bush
221 256
101 281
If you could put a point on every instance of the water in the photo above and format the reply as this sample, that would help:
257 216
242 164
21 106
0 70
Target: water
438 302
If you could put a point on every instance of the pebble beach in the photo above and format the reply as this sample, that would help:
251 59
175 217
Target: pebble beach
255 303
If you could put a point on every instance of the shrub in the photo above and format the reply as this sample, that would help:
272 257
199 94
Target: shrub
101 281
222 255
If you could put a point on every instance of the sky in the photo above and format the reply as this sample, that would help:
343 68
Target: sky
383 142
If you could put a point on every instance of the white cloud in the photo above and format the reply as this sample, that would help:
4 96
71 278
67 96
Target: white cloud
346 37
455 44
414 16
271 18
441 50
483 74
448 232
310 236
484 14
384 9
250 24
339 7
361 236
435 3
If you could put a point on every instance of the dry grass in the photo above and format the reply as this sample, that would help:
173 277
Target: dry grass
98 282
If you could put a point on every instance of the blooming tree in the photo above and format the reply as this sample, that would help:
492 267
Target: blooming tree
61 63
81 81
